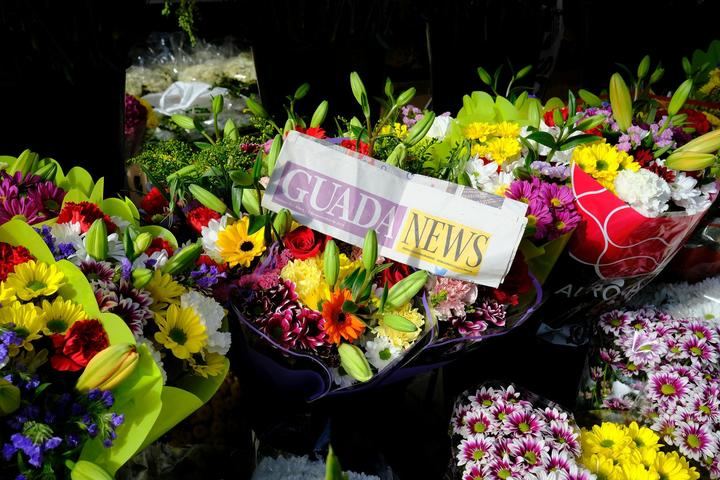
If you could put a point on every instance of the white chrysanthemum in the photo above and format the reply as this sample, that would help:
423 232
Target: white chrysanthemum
159 258
68 233
380 352
155 354
342 380
486 177
644 191
210 236
212 314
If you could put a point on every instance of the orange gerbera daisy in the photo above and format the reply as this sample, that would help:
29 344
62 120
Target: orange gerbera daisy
338 323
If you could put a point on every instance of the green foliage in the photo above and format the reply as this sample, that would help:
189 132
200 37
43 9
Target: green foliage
160 159
185 12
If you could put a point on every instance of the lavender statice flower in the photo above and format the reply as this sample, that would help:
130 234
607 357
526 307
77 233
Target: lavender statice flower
547 169
411 115
662 133
632 139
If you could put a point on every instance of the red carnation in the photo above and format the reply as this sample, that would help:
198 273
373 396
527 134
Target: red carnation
84 213
643 156
304 242
83 340
697 120
353 145
11 256
159 244
200 217
316 132
154 202
394 274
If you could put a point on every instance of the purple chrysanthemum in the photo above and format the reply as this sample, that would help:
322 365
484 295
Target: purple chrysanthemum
97 271
48 197
666 387
523 423
529 450
24 208
695 441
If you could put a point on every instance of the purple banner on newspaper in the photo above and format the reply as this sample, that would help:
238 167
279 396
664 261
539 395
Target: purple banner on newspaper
310 193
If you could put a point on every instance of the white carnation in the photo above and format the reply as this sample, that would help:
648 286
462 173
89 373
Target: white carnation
644 191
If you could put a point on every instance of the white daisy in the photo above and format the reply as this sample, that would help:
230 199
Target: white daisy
212 314
380 352
210 236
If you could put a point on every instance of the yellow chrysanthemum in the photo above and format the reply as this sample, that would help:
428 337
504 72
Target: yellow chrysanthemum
213 365
400 130
60 315
402 339
164 291
713 82
502 149
480 131
310 284
35 279
479 150
27 321
672 466
7 295
507 129
602 162
643 436
181 331
237 247
608 440
603 467
152 121
347 266
636 471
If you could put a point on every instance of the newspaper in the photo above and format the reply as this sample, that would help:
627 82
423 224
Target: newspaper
427 223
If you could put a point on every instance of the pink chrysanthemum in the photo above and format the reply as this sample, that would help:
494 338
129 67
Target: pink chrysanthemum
523 423
565 437
475 472
458 418
473 449
579 473
479 422
613 322
501 410
643 349
24 208
501 468
695 441
559 461
665 426
610 356
484 397
501 447
531 451
666 387
699 351
701 331
555 414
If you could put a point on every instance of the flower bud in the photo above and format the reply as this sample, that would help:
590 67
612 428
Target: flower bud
353 361
405 97
96 241
250 201
183 259
331 263
207 198
657 74
301 91
141 277
370 251
282 222
420 129
397 156
255 108
689 161
621 102
404 290
643 67
109 368
25 163
399 323
217 104
183 121
142 242
590 98
708 143
679 97
274 153
319 116
47 172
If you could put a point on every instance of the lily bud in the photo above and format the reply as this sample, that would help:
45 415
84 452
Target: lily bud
217 104
109 368
689 161
420 129
142 242
679 97
708 143
657 74
183 121
47 172
207 198
183 260
643 67
331 263
370 250
250 201
399 323
354 362
621 102
255 108
141 277
405 97
96 242
25 163
397 156
406 289
319 116
282 222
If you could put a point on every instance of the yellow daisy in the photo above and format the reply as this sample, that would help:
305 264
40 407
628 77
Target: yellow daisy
181 331
26 320
213 365
35 279
502 149
164 291
60 315
237 247
672 466
643 436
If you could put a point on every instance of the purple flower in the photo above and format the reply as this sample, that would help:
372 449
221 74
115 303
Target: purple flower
556 196
539 216
48 197
207 275
24 207
662 138
666 387
522 191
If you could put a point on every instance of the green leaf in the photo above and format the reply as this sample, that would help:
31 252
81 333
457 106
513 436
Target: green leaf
257 167
96 196
183 121
523 72
241 178
578 140
274 153
333 471
158 231
543 138
256 108
484 76
256 223
349 306
383 297
203 145
589 98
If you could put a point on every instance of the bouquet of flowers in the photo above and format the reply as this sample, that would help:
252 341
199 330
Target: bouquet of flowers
143 276
660 370
71 374
631 452
642 178
502 433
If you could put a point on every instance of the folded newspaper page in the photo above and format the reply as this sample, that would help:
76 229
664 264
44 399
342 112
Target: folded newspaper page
426 223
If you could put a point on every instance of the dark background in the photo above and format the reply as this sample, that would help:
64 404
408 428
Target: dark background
62 83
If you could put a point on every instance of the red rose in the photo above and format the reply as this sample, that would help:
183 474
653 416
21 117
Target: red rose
394 274
353 145
11 256
200 217
84 213
159 244
316 132
73 350
153 202
304 242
